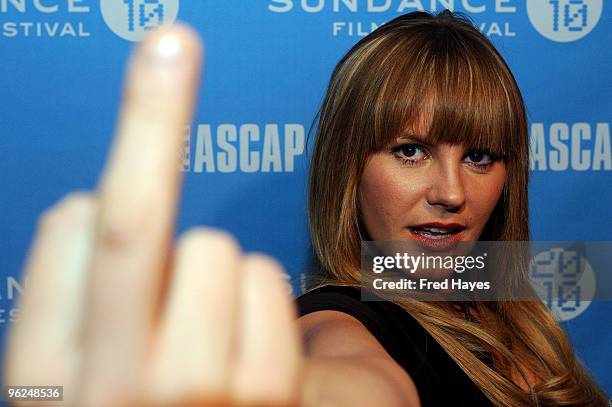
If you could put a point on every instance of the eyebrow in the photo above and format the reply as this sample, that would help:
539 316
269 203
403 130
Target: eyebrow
411 136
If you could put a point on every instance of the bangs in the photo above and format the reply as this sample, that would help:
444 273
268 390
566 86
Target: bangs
449 91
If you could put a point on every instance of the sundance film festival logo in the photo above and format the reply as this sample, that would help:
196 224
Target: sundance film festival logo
358 18
564 20
564 279
132 19
48 19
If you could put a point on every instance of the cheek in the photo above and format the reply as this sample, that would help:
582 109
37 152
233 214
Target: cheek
385 197
485 194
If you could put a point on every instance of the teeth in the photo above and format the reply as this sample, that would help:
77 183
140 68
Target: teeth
434 233
432 236
436 230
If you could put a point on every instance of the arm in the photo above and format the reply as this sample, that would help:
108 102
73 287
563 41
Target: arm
347 366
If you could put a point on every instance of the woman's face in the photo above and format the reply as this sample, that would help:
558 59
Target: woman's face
410 187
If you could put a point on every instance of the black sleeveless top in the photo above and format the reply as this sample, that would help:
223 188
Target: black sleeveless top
438 379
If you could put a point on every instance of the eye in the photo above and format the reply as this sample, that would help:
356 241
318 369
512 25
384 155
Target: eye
410 154
480 159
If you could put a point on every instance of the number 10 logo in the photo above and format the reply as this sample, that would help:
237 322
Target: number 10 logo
147 12
564 20
131 19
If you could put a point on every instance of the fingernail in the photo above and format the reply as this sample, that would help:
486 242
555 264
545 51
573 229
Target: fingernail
162 48
167 61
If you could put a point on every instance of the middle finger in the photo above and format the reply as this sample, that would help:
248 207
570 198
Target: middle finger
138 197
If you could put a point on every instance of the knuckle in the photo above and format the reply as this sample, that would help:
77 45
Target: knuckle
263 267
209 240
120 232
263 261
47 219
73 209
128 219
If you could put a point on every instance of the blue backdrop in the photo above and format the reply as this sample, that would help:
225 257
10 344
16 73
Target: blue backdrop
268 63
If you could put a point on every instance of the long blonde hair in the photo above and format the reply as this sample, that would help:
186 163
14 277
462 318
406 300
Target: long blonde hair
379 87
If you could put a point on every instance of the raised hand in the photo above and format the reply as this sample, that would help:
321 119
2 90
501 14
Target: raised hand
117 313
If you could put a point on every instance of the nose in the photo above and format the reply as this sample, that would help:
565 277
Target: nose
446 190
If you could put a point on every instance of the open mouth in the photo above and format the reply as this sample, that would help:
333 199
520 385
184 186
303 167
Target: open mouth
437 236
436 232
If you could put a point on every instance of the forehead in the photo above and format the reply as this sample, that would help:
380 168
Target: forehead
438 120
421 123
443 100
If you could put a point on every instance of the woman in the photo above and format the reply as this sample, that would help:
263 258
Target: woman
424 126
119 315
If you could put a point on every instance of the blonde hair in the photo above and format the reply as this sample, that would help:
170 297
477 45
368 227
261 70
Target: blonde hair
442 63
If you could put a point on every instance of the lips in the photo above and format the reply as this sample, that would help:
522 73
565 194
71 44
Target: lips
437 236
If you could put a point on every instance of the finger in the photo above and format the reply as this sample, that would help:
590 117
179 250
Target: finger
138 198
41 344
193 351
269 346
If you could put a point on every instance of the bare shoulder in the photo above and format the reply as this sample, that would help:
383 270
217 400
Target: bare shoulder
337 335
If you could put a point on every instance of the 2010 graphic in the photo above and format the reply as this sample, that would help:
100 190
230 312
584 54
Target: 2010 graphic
132 19
564 20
